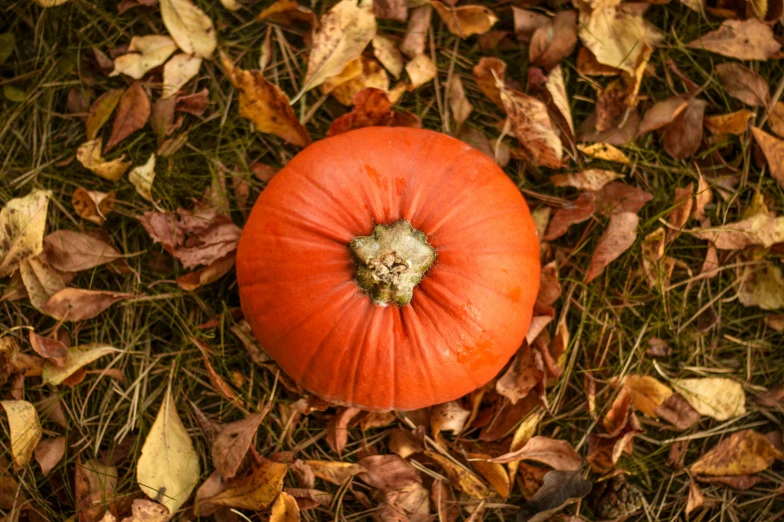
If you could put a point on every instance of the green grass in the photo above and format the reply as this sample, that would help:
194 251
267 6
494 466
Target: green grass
610 320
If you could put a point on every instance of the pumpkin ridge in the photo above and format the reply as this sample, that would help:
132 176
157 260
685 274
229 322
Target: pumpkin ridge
487 217
359 353
435 286
450 273
299 222
455 206
416 337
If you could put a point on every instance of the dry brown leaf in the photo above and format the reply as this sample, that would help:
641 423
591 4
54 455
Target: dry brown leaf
386 51
555 41
522 376
371 75
558 454
133 111
460 477
591 179
289 13
209 274
616 197
570 214
89 155
22 224
337 428
750 39
100 112
776 119
177 72
143 510
619 39
604 151
735 123
773 149
616 239
266 105
190 27
53 349
656 267
334 472
681 213
410 501
77 304
740 482
255 490
461 108
662 113
743 84
70 251
387 472
742 453
95 487
759 229
92 205
444 502
403 443
466 20
49 453
696 500
683 136
391 10
526 22
416 32
345 31
25 430
716 397
232 443
533 127
449 416
144 54
372 107
421 70
485 73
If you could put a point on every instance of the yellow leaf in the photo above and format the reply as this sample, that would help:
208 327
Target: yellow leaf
190 27
557 88
22 224
460 477
285 509
40 280
716 397
776 119
25 430
89 155
144 54
494 473
761 285
371 75
50 3
142 177
177 72
264 104
350 71
604 151
256 490
742 453
345 32
759 229
168 469
334 472
231 5
621 40
386 51
647 393
466 20
78 357
420 71
735 123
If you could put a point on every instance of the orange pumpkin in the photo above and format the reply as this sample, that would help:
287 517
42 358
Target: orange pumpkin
389 268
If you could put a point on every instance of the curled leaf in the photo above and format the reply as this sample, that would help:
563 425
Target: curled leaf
89 155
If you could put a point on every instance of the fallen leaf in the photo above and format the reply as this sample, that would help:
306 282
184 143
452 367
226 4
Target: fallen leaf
177 72
522 376
388 472
345 31
570 214
372 75
386 51
337 428
133 111
588 65
647 394
761 285
411 501
776 119
289 13
449 416
526 22
391 10
558 454
681 213
77 304
190 27
533 127
740 482
168 468
466 20
95 487
142 177
750 39
210 273
255 490
25 430
195 103
620 39
485 74
70 251
591 179
232 444
49 348
735 123
144 54
759 229
89 155
284 509
716 397
403 443
604 151
555 41
77 358
334 472
416 31
773 149
460 477
22 224
656 267
495 474
40 280
143 510
742 453
460 106
49 452
93 205
557 88
49 3
560 488
266 106
445 504
743 84
683 136
100 112
421 70
662 113
616 239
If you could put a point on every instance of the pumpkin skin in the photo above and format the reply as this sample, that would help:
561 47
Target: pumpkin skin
469 313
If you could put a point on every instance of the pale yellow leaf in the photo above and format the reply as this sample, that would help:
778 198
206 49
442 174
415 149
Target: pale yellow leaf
761 285
190 27
759 229
40 280
142 177
618 39
177 72
231 5
144 54
557 88
89 155
22 224
716 397
168 469
25 430
420 71
371 75
78 357
604 151
386 51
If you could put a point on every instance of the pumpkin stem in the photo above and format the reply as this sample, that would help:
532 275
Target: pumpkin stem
392 261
